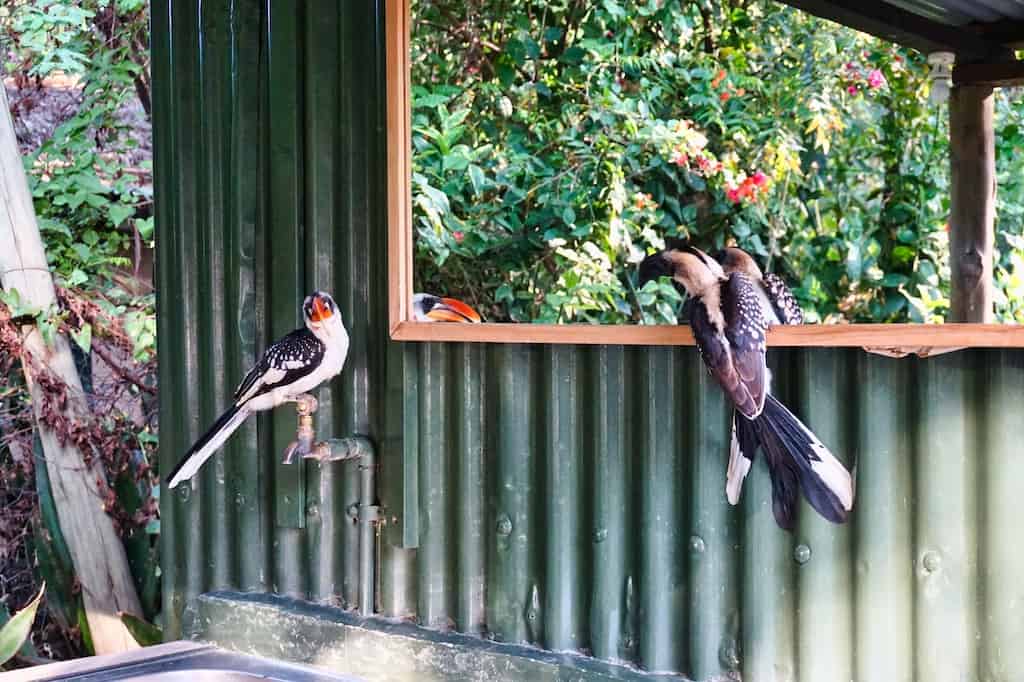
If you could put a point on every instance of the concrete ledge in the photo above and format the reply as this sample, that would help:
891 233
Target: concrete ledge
379 649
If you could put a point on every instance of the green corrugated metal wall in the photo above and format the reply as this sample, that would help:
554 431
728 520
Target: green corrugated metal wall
570 497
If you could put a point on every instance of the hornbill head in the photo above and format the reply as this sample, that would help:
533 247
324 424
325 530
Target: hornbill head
734 259
318 309
428 308
691 267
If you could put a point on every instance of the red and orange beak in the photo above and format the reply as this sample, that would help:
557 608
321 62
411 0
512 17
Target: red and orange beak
451 310
321 311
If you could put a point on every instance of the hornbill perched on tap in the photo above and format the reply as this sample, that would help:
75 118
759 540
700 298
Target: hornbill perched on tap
289 368
731 306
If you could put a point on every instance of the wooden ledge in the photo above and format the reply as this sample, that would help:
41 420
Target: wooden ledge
916 336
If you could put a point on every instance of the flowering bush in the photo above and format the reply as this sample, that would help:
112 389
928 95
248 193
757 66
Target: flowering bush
554 148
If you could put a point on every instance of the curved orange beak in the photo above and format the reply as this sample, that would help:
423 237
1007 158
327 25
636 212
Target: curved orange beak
320 311
452 310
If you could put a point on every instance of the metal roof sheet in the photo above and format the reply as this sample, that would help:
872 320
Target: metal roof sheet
975 29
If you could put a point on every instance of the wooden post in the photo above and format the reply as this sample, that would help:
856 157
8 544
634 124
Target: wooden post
101 564
972 205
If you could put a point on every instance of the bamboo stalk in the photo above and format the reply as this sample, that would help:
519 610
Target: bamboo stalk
96 550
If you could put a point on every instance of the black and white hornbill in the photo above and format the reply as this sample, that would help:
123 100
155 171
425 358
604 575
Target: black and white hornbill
293 365
779 306
729 325
430 308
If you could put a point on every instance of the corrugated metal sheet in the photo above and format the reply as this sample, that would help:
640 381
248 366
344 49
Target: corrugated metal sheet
961 12
564 496
270 179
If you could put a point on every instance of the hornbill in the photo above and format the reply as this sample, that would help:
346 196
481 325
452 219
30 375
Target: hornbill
779 306
729 325
296 363
429 308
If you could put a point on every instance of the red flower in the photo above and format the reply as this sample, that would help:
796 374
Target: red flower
759 179
459 236
724 97
733 195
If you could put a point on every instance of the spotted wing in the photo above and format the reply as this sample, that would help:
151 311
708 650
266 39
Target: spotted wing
745 327
782 299
284 362
715 350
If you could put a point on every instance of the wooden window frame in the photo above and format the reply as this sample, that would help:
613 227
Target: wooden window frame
919 337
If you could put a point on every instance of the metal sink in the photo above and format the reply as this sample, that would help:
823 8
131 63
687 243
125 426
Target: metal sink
176 662
198 675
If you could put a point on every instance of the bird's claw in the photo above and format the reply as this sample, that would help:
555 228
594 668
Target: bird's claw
305 404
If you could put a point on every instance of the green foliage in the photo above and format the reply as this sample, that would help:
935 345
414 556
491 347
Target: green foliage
53 558
556 145
53 30
14 632
146 634
84 201
88 180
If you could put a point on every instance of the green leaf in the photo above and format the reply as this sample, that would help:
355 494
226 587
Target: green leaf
573 55
83 337
476 178
903 254
15 632
12 299
146 634
77 277
119 213
145 227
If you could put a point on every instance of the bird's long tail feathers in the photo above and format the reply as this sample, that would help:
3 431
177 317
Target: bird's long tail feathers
797 459
207 444
741 456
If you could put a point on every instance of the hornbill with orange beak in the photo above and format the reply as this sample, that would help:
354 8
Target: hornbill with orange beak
729 323
429 308
295 364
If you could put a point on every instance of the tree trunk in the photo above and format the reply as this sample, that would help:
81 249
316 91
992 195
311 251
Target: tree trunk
972 204
96 550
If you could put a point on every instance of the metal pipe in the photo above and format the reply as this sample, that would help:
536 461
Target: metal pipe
367 511
369 514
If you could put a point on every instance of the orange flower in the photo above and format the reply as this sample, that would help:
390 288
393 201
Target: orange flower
719 77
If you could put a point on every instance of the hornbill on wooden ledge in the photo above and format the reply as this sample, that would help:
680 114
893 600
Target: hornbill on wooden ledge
729 319
430 308
290 367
